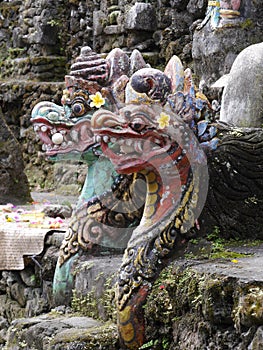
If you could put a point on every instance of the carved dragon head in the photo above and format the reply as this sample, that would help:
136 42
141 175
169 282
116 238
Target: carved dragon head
156 119
137 137
66 129
162 130
60 134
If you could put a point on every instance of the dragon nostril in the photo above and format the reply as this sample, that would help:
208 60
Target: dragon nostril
127 114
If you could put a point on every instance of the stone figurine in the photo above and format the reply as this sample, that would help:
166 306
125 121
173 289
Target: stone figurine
221 14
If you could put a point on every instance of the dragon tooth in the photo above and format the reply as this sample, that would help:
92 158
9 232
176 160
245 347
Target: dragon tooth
57 138
129 142
44 128
53 131
98 138
74 135
106 138
139 146
36 127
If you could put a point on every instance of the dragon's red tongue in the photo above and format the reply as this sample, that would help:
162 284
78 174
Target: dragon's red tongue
44 138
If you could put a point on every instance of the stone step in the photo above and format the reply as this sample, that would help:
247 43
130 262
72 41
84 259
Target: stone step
54 331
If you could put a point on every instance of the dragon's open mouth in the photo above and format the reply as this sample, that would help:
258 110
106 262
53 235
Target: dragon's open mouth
130 153
61 138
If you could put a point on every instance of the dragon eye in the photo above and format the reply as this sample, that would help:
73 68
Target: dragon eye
137 125
78 109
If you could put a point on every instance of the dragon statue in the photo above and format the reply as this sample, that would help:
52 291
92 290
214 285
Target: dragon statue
197 171
99 219
162 132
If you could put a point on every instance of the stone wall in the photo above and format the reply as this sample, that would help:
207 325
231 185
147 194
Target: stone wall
39 37
14 184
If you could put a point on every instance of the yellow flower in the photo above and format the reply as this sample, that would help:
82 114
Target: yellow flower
163 120
97 100
235 261
65 96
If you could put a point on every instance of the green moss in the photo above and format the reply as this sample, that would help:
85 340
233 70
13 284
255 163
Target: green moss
16 52
55 23
225 254
247 24
248 310
102 337
184 297
90 304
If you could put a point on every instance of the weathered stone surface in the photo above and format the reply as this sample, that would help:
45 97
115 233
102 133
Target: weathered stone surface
208 305
196 304
3 329
197 7
14 186
10 309
257 342
137 18
54 331
94 278
214 51
242 98
29 292
235 199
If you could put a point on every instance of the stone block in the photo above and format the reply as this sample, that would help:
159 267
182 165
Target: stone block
242 97
98 17
113 29
141 16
